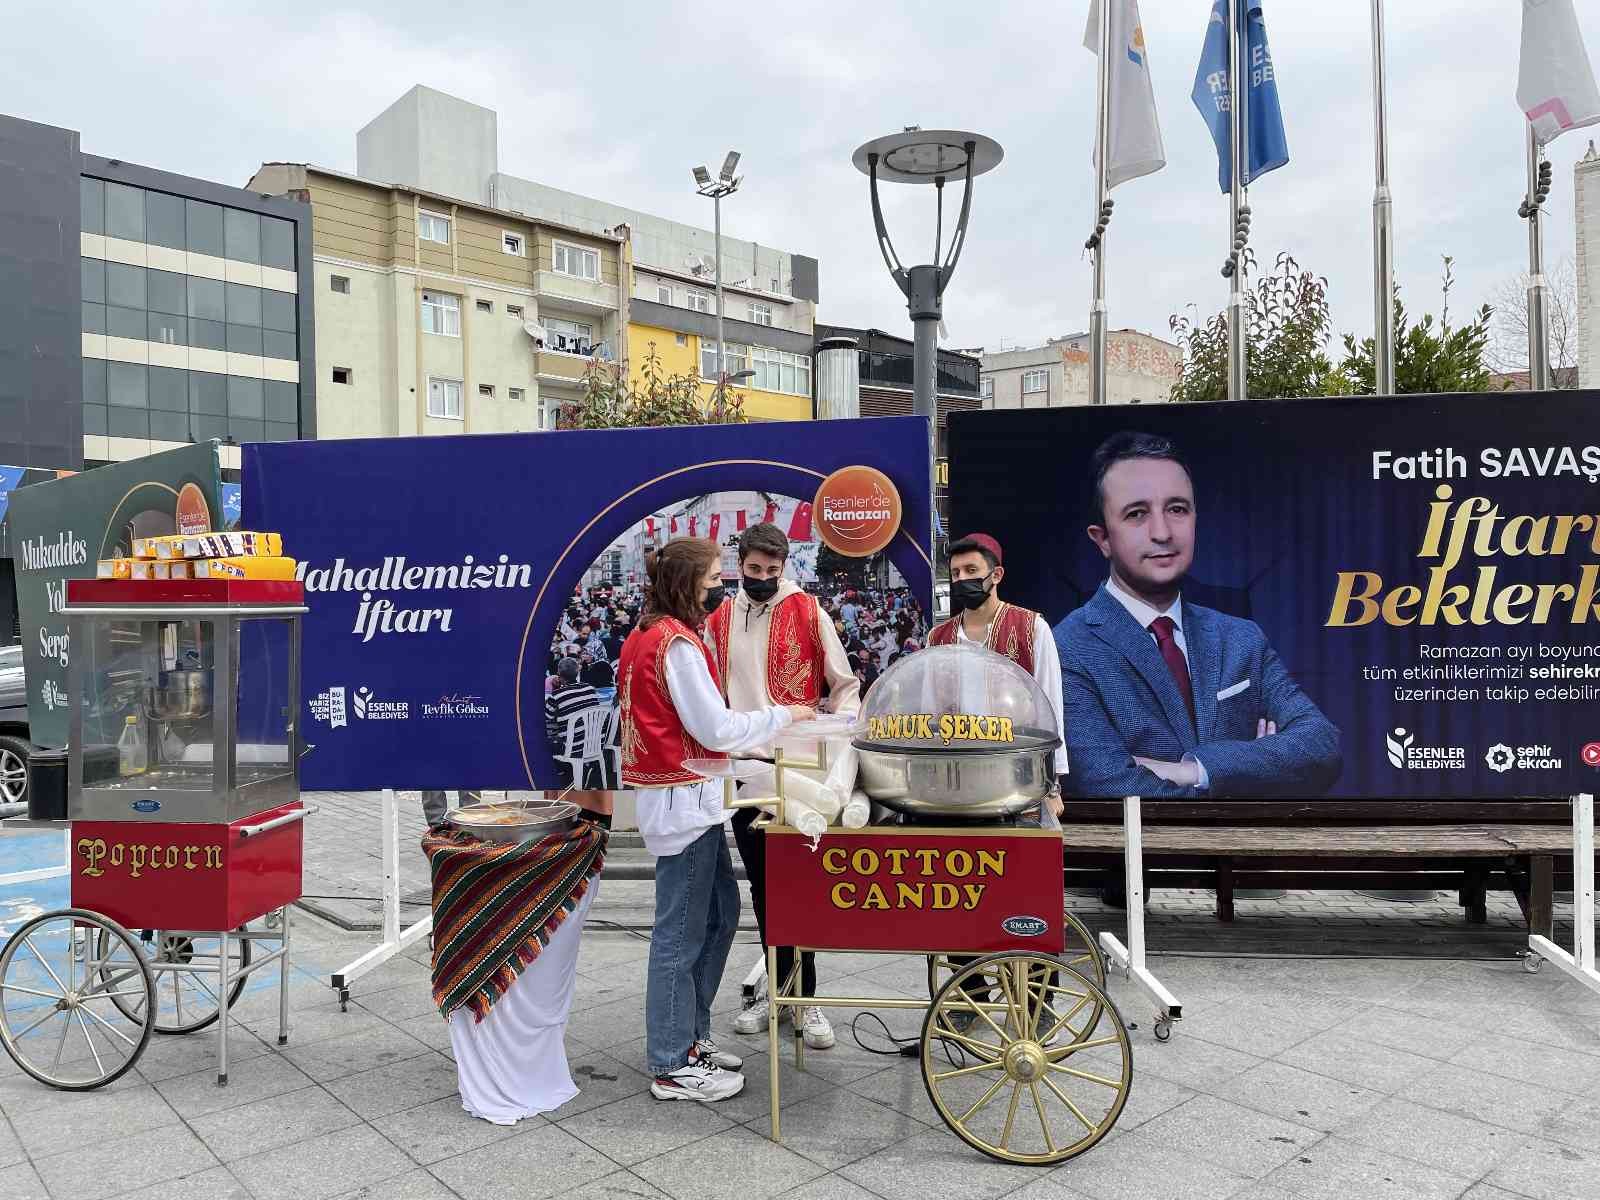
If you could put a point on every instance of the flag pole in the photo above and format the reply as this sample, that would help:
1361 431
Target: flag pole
1538 338
1382 221
1097 309
1238 388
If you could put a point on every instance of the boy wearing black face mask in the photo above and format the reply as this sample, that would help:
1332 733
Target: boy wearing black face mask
774 645
981 617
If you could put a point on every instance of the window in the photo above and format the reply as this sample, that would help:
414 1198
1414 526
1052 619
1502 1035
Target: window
92 205
734 358
441 314
516 393
283 404
760 312
168 329
1035 381
241 235
663 293
781 371
204 227
207 299
169 389
168 291
279 345
127 384
125 285
699 301
124 212
485 306
512 243
243 304
431 227
444 398
683 339
343 375
577 261
514 310
277 243
246 398
94 280
277 309
486 389
163 220
986 389
774 286
569 337
340 284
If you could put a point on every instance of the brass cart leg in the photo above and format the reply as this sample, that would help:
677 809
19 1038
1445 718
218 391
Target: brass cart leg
774 989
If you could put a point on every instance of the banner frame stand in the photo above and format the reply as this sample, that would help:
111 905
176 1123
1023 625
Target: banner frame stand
1130 959
395 939
38 873
1579 963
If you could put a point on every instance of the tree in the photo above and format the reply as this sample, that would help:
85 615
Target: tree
1286 327
1426 360
609 401
1508 347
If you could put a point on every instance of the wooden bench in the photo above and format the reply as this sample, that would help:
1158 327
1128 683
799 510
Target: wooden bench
1524 847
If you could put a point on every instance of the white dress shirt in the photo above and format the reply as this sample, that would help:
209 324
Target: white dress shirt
1145 615
671 818
1046 673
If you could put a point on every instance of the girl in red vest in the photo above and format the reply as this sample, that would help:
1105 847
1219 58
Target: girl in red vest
672 711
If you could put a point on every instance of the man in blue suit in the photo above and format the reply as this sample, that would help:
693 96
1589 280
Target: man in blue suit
1166 698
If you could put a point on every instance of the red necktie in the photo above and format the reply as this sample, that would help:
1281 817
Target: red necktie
1163 628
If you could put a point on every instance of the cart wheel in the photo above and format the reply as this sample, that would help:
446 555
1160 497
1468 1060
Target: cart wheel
1016 1074
1531 962
1079 951
186 998
62 1018
1163 1029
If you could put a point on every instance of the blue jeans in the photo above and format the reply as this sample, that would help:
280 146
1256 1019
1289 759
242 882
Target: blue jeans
697 914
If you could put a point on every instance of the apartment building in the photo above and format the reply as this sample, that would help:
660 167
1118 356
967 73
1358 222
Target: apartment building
1140 369
436 315
437 142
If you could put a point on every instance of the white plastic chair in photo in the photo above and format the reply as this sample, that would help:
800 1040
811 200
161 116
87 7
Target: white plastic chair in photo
584 743
612 748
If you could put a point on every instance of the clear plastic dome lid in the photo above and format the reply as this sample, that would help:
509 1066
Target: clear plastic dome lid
956 698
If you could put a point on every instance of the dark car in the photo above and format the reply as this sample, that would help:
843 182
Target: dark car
14 744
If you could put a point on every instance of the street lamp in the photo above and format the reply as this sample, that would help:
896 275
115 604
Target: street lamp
926 156
724 185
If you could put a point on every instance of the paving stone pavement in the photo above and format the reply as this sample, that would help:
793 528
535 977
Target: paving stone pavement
1288 1078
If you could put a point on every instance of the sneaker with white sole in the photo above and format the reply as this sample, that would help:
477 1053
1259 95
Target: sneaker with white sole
697 1080
706 1050
815 1029
754 1018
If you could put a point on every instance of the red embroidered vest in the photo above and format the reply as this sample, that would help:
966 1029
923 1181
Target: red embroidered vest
1011 634
794 649
654 742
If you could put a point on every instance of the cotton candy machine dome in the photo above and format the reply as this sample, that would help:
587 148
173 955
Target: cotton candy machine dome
957 731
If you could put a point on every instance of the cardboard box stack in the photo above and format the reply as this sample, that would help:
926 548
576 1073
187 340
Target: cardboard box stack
203 556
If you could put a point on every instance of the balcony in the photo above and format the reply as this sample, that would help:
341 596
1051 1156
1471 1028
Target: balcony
552 366
570 292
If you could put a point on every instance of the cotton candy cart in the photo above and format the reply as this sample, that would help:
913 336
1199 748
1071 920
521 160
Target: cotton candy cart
185 839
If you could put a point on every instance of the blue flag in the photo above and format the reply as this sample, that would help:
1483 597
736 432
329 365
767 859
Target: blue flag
1268 148
10 477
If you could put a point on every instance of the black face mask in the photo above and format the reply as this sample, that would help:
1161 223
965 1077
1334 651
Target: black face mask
714 598
968 594
760 590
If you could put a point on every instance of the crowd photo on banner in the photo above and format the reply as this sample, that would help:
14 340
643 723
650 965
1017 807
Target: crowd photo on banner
877 618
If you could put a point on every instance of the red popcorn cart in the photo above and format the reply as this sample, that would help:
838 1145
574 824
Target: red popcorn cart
1022 1052
185 846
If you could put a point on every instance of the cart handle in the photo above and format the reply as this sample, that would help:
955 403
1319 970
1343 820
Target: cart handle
247 831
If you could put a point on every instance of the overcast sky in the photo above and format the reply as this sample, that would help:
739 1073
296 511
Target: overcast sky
620 100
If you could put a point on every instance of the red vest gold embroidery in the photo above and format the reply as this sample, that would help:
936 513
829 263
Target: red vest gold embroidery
654 742
1010 634
794 649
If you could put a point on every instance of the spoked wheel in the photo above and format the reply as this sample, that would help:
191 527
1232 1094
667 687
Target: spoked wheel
184 967
67 982
1079 951
1015 1069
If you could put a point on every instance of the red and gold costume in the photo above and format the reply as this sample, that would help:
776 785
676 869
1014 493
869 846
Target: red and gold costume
794 649
1010 633
655 744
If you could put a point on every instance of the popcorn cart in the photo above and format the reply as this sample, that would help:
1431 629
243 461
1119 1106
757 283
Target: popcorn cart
183 795
1022 1052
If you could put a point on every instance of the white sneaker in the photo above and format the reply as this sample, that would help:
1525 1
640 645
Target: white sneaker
697 1080
815 1029
754 1018
706 1050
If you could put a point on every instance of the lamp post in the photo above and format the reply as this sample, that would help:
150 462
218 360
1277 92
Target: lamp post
724 185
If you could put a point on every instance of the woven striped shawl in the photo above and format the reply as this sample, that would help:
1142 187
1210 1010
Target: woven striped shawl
495 907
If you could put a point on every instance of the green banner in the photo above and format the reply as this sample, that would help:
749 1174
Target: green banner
62 528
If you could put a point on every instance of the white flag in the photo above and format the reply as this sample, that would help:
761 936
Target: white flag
1555 83
1134 136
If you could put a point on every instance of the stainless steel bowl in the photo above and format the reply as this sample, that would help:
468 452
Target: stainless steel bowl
182 696
510 823
964 783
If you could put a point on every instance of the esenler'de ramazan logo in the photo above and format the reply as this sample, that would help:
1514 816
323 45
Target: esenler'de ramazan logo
857 511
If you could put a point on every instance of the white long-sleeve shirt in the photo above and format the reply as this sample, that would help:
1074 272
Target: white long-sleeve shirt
671 818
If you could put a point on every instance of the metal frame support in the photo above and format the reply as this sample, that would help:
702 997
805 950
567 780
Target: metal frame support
37 873
395 938
1130 959
1580 964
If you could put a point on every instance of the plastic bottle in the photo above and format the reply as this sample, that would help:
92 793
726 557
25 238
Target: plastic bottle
133 757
